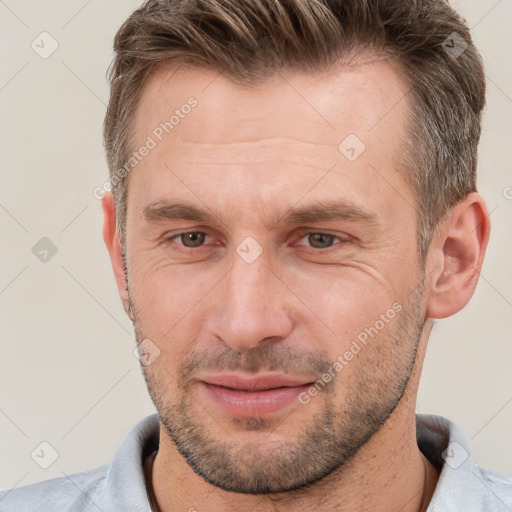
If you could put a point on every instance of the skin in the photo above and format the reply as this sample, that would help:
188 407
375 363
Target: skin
248 156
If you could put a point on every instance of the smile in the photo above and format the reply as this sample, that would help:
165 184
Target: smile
253 397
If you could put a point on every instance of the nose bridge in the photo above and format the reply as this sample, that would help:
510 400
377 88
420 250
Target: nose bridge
251 306
248 282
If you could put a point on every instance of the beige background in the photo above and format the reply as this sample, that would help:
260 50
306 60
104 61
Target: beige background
68 375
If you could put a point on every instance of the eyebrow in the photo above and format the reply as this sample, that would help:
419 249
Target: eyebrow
318 212
163 210
330 210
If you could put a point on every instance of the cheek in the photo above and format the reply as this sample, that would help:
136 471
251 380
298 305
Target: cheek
168 289
345 301
169 302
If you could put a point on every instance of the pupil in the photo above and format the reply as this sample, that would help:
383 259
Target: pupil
193 239
320 240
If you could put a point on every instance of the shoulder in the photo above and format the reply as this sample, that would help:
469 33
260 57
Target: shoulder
119 485
462 485
85 491
496 488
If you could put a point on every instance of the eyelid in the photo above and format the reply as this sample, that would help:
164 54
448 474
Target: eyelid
177 236
338 237
303 234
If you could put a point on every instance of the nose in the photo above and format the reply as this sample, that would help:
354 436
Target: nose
252 306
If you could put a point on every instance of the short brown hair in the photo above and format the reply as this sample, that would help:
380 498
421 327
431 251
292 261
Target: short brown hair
249 40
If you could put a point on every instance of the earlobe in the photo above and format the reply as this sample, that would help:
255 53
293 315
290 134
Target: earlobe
111 239
457 255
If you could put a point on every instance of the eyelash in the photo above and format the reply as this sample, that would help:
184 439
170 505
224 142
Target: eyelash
171 240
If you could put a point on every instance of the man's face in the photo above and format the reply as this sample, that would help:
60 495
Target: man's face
302 268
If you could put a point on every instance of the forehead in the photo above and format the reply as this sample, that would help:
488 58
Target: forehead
365 97
270 140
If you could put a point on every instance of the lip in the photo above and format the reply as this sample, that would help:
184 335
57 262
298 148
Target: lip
254 396
255 383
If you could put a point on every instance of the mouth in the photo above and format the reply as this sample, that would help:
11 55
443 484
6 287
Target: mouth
256 396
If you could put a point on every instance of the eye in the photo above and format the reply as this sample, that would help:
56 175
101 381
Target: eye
190 239
321 240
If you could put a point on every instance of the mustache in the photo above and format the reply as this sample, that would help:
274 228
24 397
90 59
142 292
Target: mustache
281 359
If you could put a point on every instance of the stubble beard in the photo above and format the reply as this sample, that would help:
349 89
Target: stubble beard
328 440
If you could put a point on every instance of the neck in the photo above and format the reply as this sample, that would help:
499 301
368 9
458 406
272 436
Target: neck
388 473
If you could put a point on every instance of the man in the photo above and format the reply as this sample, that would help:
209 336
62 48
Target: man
294 204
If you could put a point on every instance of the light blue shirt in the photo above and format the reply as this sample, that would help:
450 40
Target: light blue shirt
120 486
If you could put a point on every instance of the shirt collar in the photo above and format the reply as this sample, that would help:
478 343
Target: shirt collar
462 485
126 486
439 439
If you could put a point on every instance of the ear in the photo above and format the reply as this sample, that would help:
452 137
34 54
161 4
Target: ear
111 238
456 255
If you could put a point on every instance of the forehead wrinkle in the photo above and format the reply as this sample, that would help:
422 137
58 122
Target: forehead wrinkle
225 163
262 150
